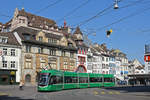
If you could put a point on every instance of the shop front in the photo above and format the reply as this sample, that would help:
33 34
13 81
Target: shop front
7 77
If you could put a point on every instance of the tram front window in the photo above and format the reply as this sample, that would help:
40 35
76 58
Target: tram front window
44 79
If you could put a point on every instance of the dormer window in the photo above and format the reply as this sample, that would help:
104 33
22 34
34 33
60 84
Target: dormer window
51 40
70 44
27 36
3 39
21 20
40 38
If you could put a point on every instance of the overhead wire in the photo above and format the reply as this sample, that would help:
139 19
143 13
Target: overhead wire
102 12
95 16
126 6
121 19
50 5
5 15
74 10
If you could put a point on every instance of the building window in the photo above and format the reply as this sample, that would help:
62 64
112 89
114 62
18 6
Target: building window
21 20
102 58
26 36
12 52
28 63
71 55
63 53
40 50
51 40
148 67
42 63
53 65
4 51
106 59
4 64
28 48
12 64
70 44
52 52
3 39
40 38
65 64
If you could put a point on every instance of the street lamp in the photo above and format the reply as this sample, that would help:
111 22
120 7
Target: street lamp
116 4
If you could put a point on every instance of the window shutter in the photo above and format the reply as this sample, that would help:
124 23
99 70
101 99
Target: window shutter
16 64
8 52
16 52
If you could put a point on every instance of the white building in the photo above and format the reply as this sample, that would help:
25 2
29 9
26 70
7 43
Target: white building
10 56
112 65
105 63
118 70
136 67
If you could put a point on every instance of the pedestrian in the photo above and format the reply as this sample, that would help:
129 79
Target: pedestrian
21 85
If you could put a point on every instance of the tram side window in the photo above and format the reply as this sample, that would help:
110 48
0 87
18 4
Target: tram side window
69 79
74 80
108 79
83 80
56 80
95 79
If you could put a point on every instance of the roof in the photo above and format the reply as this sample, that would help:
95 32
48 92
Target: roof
11 38
35 20
1 23
24 30
78 31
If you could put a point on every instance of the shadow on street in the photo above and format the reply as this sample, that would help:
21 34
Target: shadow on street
131 88
6 97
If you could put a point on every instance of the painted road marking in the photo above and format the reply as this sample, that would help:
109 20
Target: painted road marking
110 92
117 92
103 92
106 92
95 93
4 94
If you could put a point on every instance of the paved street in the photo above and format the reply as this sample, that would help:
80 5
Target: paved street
116 93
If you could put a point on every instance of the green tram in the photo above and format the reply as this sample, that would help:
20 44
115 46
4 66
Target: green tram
54 80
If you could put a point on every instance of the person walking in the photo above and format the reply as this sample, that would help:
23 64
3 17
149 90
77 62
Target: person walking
21 85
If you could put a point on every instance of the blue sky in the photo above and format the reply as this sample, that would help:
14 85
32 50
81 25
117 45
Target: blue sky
129 35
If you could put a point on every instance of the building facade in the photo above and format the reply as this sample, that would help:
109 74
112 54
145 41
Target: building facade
94 58
10 53
43 45
82 51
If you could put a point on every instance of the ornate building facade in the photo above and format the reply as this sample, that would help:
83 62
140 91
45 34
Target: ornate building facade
82 51
43 45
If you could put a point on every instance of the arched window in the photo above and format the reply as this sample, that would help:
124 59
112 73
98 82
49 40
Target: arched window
28 78
81 69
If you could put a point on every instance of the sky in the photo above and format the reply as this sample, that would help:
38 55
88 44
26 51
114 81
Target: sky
130 23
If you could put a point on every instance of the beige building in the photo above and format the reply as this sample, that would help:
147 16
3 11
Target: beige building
43 45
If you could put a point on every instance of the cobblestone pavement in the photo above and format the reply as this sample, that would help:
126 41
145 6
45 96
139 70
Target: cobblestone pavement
115 93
